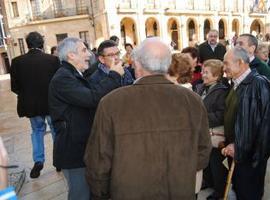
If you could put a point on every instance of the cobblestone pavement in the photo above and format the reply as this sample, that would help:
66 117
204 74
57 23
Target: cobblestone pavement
50 185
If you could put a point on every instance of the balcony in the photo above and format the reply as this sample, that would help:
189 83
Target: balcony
60 13
127 7
152 8
259 9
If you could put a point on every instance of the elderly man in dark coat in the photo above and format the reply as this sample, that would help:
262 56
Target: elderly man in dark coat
30 77
211 49
246 125
152 149
72 102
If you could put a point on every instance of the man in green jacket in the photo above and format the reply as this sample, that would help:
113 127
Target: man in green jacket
250 44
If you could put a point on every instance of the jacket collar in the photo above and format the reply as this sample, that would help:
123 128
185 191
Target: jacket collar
250 77
71 68
34 51
153 79
254 63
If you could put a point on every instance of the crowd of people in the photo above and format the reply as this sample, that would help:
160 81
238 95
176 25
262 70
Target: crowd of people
152 124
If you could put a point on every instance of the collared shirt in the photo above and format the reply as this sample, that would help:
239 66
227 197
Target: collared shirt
238 81
79 72
103 67
213 46
251 58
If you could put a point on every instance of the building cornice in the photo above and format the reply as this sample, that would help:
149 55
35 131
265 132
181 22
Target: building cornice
48 21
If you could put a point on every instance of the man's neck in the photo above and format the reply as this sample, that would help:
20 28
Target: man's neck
35 49
251 58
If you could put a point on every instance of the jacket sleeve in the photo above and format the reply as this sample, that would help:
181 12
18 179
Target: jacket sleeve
262 144
14 78
73 91
98 155
204 142
216 117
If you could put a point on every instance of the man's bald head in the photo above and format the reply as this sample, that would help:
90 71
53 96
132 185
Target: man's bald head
154 55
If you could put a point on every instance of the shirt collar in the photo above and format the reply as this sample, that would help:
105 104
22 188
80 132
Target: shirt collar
251 58
104 68
79 72
238 81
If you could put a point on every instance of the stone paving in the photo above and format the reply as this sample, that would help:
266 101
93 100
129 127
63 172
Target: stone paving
50 185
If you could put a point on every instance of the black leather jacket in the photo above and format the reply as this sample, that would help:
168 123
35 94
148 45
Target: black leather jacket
252 127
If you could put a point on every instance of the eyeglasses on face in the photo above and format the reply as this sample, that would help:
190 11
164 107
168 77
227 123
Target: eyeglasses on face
112 54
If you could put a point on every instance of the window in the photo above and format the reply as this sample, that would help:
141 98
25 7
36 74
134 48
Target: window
84 35
35 8
60 37
15 9
81 7
2 34
58 8
21 45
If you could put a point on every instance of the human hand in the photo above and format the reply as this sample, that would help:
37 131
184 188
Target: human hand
3 162
116 65
228 150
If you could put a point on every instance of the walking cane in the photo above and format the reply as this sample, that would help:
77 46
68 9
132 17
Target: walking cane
228 182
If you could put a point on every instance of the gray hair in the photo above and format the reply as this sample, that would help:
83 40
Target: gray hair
68 45
261 46
240 53
154 55
213 30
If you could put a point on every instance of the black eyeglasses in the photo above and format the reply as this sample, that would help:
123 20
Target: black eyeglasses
112 55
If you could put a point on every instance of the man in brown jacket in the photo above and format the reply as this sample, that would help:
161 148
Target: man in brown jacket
151 147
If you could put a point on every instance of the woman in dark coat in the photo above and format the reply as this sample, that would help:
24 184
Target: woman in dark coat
213 91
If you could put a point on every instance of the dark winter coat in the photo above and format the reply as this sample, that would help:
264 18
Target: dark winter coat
214 102
72 103
252 127
261 67
206 52
30 77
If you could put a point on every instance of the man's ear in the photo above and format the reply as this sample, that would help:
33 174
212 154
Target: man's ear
70 56
253 47
101 59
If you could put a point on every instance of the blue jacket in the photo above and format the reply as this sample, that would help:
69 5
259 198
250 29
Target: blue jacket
102 72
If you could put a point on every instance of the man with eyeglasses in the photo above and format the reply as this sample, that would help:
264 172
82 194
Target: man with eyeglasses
108 52
211 49
72 102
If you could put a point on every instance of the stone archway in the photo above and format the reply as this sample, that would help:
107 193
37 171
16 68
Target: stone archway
173 30
192 32
206 28
128 31
235 26
257 28
222 29
152 27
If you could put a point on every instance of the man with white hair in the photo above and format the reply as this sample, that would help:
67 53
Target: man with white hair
72 102
246 124
151 147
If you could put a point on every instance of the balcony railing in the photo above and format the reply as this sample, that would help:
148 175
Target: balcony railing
256 9
61 13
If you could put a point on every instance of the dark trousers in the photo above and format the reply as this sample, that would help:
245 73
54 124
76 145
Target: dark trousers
215 174
248 181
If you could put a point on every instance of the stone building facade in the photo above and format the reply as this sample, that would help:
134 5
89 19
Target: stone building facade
183 22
